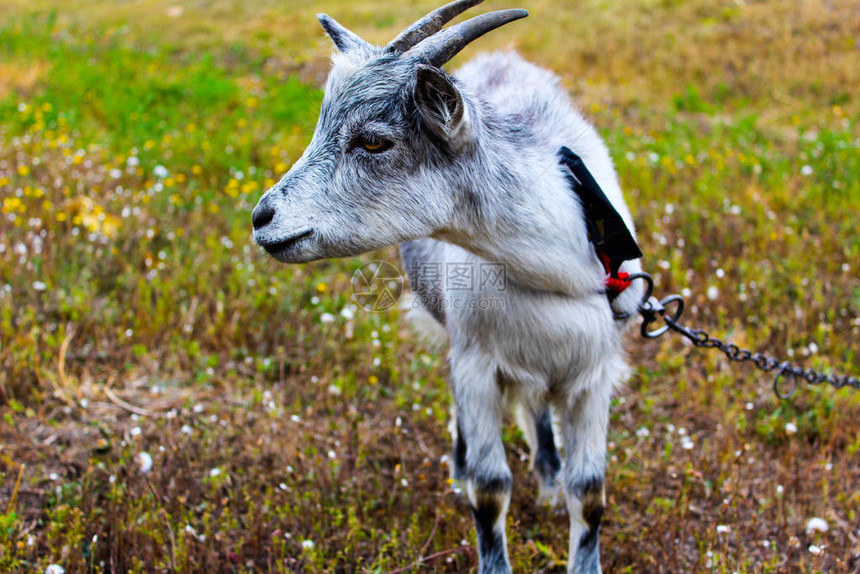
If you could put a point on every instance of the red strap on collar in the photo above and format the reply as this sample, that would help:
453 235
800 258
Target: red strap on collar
615 282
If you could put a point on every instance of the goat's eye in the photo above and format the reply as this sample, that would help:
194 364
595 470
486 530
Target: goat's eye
374 144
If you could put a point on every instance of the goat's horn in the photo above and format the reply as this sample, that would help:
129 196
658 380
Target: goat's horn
428 25
441 47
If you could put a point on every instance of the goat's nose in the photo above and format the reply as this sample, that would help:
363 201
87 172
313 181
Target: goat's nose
262 215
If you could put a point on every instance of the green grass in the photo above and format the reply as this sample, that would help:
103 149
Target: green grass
137 317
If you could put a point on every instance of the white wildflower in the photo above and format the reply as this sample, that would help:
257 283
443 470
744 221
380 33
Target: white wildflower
55 569
308 544
159 171
722 529
713 293
214 472
815 550
144 460
327 318
790 428
643 432
816 524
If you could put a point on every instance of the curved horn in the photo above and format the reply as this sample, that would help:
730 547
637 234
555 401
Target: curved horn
441 47
428 25
342 38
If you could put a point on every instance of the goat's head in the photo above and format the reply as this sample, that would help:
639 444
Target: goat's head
392 124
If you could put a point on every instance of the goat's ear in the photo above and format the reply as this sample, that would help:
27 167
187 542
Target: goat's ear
345 40
441 106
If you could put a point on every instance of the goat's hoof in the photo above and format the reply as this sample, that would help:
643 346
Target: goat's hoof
548 494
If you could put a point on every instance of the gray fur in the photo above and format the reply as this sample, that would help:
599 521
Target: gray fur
471 176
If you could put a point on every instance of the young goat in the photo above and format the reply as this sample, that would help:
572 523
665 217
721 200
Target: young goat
465 170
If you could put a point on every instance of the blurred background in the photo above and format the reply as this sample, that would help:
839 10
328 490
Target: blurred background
172 400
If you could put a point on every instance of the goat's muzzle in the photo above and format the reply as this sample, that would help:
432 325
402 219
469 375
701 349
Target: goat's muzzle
281 247
263 215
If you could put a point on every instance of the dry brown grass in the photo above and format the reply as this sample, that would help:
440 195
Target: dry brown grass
778 58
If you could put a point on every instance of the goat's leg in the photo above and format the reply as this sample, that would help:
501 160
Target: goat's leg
545 461
584 428
488 478
458 451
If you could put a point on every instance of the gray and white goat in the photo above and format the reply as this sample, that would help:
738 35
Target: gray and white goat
464 169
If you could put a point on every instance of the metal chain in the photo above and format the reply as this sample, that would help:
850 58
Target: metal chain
787 375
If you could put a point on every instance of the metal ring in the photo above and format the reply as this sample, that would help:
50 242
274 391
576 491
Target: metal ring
787 373
649 286
679 310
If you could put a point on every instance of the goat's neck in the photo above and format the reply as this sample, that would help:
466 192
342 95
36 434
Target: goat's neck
514 206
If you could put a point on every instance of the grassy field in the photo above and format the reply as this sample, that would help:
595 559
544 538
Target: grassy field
172 400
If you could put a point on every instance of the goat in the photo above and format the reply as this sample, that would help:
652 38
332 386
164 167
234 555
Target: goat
464 170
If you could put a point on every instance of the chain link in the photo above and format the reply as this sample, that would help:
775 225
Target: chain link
787 375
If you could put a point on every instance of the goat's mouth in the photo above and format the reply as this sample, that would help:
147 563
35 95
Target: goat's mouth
280 249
